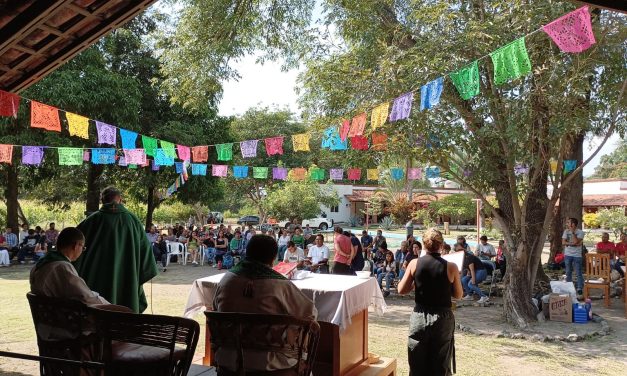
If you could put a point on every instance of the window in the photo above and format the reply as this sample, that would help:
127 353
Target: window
335 209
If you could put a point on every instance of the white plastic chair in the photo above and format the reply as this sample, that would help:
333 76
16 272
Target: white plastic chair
176 248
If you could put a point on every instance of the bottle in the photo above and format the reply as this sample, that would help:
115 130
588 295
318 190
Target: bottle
580 315
589 308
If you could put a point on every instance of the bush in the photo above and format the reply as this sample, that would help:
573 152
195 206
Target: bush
613 219
591 220
386 223
424 216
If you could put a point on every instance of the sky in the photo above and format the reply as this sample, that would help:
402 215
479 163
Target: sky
266 85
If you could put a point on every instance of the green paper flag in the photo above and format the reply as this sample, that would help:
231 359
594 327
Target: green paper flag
150 145
317 174
466 80
168 148
70 156
260 172
510 61
225 152
132 166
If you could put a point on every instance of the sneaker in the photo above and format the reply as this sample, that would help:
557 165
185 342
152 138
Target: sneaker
483 299
467 297
386 293
195 263
165 270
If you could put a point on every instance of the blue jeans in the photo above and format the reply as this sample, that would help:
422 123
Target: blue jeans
281 254
389 277
469 287
576 262
616 265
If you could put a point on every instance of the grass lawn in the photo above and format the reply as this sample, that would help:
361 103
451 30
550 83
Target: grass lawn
476 355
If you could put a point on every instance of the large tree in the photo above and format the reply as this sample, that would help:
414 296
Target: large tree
613 165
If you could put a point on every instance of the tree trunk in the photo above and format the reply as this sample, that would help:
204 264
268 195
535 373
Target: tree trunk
517 306
93 188
10 194
150 200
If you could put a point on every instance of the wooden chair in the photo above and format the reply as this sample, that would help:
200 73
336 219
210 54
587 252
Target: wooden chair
598 266
136 344
243 333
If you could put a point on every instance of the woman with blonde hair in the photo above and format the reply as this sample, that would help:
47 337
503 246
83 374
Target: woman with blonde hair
431 348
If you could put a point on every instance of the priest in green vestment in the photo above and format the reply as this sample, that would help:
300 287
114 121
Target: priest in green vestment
118 259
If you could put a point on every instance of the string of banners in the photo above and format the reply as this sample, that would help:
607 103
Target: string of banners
572 33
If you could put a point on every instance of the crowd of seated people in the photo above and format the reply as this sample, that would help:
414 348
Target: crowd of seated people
28 243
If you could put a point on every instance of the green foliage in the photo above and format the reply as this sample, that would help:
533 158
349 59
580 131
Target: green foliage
591 220
457 206
424 216
386 223
613 165
298 200
613 219
174 212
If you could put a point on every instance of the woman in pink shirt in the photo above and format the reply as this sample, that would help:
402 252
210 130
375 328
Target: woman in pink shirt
343 253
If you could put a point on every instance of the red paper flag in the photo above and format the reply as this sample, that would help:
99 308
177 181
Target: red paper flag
200 153
274 145
9 104
359 142
354 173
44 116
6 153
344 129
357 125
379 141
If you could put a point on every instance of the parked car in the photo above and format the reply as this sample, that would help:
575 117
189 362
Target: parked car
216 216
321 223
249 220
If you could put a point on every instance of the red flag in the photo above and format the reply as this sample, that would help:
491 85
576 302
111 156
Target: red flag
359 142
9 104
354 173
379 141
44 116
344 129
274 145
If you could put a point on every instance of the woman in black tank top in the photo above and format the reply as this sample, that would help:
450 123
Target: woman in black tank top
431 349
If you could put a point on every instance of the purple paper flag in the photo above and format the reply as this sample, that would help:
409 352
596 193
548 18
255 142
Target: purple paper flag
86 156
414 173
402 107
135 156
219 170
279 173
521 169
32 155
107 134
122 162
248 148
336 173
155 166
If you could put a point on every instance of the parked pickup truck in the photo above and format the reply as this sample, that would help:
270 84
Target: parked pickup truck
318 222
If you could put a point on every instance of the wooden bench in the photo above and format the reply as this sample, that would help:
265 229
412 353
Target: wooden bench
385 367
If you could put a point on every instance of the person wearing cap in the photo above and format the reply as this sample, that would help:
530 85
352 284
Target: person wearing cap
461 240
118 258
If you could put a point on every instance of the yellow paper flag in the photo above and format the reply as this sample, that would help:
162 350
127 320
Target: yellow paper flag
78 125
379 115
553 167
301 142
372 174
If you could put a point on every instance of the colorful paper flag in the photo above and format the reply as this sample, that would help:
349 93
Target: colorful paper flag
260 172
183 152
573 31
401 109
274 145
103 156
336 174
298 173
9 104
200 153
225 151
32 155
430 94
354 174
106 133
300 142
6 153
510 61
168 148
331 140
414 173
521 169
86 156
359 142
570 165
154 165
344 129
77 125
70 156
379 141
279 173
129 139
379 115
358 124
122 162
219 170
248 148
553 165
397 173
162 159
134 156
150 145
178 166
199 169
372 174
240 172
44 116
316 174
466 80
433 172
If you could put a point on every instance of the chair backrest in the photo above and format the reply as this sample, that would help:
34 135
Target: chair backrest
241 332
598 266
65 329
150 330
175 248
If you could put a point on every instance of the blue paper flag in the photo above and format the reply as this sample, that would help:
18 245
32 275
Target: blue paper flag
163 159
332 140
433 172
570 165
199 169
179 167
103 156
240 172
129 139
397 173
430 94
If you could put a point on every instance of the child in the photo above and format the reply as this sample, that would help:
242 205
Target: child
387 270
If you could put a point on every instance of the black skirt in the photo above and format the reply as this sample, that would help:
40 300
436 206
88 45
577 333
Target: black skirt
431 342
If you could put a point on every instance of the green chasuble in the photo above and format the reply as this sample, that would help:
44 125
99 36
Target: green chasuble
118 258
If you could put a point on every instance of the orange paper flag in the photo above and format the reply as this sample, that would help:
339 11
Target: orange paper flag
44 116
379 141
6 153
200 153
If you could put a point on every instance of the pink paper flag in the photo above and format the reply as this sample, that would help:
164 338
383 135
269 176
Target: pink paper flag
344 129
183 152
354 173
6 153
274 145
107 134
134 156
86 155
573 31
358 124
414 173
219 170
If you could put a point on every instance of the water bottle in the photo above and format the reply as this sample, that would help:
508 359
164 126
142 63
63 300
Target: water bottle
580 314
589 308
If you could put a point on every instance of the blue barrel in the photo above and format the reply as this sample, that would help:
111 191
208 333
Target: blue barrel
580 313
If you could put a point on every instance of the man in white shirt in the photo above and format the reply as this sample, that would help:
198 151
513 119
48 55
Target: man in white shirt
572 239
318 256
294 254
485 251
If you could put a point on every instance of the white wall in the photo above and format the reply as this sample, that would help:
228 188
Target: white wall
605 187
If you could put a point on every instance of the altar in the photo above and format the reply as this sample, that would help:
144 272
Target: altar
342 303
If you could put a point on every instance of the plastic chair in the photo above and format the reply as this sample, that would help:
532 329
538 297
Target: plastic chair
244 332
598 273
178 249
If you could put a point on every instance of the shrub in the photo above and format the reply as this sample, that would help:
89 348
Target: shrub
591 220
424 216
613 219
386 223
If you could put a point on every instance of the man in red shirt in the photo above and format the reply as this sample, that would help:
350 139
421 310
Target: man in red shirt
344 253
606 246
619 251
